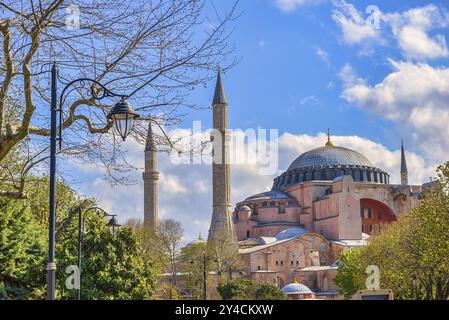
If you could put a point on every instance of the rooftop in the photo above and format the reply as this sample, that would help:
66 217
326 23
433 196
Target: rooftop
330 156
269 195
296 288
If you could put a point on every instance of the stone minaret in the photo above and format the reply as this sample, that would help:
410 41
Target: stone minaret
150 178
404 171
222 225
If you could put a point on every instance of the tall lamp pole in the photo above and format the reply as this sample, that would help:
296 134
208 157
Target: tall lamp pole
122 117
51 266
112 224
204 276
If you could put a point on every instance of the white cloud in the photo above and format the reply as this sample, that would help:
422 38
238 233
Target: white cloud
170 184
185 191
416 98
323 55
353 24
292 5
310 101
411 29
349 77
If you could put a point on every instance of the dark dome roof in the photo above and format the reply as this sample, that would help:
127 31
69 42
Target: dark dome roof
328 163
329 157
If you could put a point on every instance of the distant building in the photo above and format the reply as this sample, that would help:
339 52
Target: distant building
329 199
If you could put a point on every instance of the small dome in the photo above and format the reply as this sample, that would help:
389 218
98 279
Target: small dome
244 208
296 288
269 195
291 233
200 240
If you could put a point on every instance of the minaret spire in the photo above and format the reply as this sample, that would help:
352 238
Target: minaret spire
150 179
222 225
404 170
219 94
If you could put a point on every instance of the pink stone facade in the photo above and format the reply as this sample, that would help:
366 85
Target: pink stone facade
330 208
332 212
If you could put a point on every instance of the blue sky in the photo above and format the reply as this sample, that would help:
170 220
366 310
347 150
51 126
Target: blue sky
282 82
307 66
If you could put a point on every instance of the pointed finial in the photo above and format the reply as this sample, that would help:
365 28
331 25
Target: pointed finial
403 160
149 144
219 94
329 142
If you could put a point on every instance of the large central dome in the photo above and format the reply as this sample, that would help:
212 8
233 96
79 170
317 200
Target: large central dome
326 164
330 156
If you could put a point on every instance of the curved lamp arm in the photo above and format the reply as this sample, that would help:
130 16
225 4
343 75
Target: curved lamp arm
100 213
97 95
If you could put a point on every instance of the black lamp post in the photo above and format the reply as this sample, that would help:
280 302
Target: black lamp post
123 117
112 224
204 261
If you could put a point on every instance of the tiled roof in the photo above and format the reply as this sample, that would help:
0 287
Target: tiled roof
330 157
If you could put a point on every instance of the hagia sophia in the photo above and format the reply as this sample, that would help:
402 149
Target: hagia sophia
330 199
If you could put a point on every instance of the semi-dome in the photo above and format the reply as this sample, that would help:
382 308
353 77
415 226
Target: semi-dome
291 233
330 162
296 288
269 195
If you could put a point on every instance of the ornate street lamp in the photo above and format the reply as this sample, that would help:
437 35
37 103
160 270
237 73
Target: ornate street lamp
112 224
123 117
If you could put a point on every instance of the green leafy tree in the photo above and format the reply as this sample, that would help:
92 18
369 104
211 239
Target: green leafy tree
249 290
412 254
112 267
267 291
193 260
22 252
